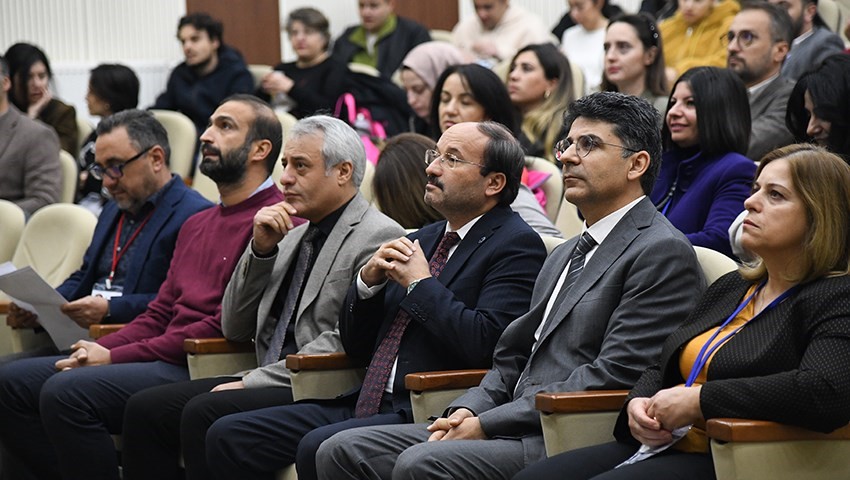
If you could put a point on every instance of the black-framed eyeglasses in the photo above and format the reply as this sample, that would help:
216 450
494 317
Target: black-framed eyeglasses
745 38
115 171
452 160
584 145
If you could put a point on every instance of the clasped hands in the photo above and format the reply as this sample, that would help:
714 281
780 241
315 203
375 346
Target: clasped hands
652 420
400 260
460 425
85 354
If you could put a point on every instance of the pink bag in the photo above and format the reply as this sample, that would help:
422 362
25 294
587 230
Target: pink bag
371 132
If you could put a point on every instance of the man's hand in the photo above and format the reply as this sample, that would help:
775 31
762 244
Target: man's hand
392 256
276 82
415 268
86 311
644 428
460 425
85 354
676 407
238 385
271 224
20 318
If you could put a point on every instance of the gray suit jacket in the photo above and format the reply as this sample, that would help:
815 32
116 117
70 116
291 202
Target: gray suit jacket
30 173
641 282
811 52
767 109
256 281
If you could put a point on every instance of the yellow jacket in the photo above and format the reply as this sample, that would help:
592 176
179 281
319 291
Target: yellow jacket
698 45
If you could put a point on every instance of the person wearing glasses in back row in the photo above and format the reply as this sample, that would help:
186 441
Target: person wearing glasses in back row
134 239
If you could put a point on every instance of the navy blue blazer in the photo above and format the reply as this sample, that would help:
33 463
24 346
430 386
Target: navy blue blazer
458 317
150 258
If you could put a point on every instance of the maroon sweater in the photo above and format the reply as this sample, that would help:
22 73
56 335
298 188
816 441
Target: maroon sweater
188 304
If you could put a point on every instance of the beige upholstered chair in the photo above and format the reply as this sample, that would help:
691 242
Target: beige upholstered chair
70 178
553 186
364 69
568 221
84 129
12 220
258 71
441 35
713 264
551 242
182 136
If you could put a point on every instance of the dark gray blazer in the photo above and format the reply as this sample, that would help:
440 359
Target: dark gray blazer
638 286
767 109
811 52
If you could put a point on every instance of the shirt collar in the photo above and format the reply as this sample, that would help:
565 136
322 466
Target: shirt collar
759 86
601 229
462 231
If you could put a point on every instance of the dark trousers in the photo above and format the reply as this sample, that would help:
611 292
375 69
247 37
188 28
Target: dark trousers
598 463
257 444
163 421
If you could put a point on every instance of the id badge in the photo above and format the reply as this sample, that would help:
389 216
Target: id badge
100 290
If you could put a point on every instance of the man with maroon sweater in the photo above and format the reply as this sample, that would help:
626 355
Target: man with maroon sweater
75 403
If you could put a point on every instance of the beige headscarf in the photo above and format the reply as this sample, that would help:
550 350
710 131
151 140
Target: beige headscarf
428 60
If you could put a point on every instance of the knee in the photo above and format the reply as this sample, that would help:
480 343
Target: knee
139 412
222 445
336 454
417 462
60 394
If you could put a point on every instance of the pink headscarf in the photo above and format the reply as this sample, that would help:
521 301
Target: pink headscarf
428 60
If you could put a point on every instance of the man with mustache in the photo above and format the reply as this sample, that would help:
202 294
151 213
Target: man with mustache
813 40
757 43
59 412
285 295
437 299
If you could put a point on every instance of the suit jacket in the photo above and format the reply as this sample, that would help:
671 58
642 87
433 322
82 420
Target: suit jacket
789 365
457 317
809 54
638 286
767 109
256 282
29 162
150 258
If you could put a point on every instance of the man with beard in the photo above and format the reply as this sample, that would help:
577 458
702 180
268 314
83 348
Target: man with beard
757 43
211 71
813 41
61 421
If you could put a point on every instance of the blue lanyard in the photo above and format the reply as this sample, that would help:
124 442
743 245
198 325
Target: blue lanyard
703 356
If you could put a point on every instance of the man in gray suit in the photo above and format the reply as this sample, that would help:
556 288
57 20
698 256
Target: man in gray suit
757 43
285 295
601 308
813 41
29 155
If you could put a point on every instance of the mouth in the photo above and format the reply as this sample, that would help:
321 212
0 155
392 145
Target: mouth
613 70
750 224
677 127
433 182
210 151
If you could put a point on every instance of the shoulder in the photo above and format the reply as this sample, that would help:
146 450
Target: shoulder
184 198
827 294
409 25
735 165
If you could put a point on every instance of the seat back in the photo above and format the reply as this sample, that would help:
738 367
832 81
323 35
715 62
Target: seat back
551 242
258 71
568 221
713 264
84 129
831 15
12 221
553 186
182 137
70 178
366 184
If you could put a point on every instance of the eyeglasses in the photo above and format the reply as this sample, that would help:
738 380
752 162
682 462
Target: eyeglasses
452 160
116 171
745 38
584 144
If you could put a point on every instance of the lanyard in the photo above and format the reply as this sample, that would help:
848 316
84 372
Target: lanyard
706 352
118 251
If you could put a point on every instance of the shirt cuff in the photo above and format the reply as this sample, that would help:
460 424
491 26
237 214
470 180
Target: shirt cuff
364 291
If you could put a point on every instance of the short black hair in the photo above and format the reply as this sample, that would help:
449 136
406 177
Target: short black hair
781 26
503 154
143 129
722 107
266 125
203 21
635 123
116 84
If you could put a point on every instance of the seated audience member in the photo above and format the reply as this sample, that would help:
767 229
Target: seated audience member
497 31
601 307
211 72
472 93
691 36
757 43
58 413
583 43
133 242
779 334
408 314
813 40
112 89
540 86
609 10
314 81
705 176
419 72
400 180
634 60
381 40
30 73
286 295
29 155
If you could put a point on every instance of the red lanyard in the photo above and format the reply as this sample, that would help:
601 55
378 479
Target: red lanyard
118 251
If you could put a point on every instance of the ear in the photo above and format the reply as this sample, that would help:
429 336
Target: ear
649 55
780 50
638 165
345 170
158 156
809 11
260 150
217 44
495 183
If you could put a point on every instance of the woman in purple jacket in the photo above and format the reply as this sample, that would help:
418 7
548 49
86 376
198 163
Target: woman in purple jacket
705 177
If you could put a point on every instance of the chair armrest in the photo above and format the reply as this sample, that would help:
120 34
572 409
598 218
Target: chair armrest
4 306
101 330
742 430
443 380
323 361
198 346
581 402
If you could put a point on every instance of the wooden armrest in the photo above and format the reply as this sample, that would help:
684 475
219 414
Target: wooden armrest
4 306
101 330
581 402
215 345
443 380
324 361
742 430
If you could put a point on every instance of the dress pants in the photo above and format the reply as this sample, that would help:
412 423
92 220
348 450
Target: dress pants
257 444
404 452
598 462
56 422
164 421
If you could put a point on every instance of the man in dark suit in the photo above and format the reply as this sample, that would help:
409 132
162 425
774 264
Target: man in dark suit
758 41
409 313
813 40
602 306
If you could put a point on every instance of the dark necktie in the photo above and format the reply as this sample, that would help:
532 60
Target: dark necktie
584 245
302 264
378 373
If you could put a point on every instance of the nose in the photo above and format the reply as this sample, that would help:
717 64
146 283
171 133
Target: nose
514 73
434 168
814 127
732 45
752 202
569 156
206 136
450 107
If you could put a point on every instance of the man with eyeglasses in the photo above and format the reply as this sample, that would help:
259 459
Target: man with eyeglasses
59 412
602 306
437 299
757 43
